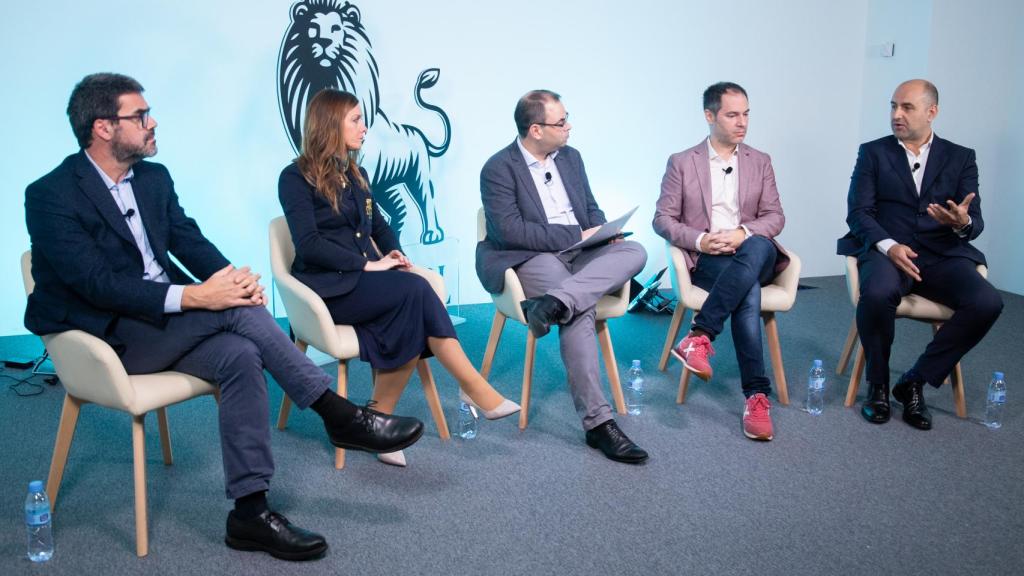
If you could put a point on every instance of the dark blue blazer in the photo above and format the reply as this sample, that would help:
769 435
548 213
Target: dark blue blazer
86 265
331 248
517 226
883 202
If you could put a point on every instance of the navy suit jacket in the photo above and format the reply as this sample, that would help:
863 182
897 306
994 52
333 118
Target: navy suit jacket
331 247
86 265
883 201
517 226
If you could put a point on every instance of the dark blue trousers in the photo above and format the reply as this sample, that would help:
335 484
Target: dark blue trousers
953 282
733 283
230 348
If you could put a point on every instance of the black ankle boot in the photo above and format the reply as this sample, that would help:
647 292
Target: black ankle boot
875 408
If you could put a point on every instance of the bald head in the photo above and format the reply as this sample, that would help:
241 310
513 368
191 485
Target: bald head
920 87
914 105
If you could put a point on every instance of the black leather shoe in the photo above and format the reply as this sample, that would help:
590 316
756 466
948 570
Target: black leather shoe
272 533
541 312
909 393
375 432
608 438
875 408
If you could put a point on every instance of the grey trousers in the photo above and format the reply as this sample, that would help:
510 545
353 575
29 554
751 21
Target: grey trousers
579 280
231 348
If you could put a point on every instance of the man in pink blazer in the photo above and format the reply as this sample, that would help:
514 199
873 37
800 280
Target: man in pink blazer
719 204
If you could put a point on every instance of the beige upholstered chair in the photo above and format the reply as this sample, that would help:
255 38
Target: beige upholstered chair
778 296
92 373
506 306
911 306
313 326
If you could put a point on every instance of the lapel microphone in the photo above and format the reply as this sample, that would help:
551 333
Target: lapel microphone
727 170
916 166
128 215
547 178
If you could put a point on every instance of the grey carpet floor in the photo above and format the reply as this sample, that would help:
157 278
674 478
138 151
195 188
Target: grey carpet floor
830 495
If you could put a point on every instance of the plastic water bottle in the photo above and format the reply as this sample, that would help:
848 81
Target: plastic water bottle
635 389
37 521
816 389
466 428
996 401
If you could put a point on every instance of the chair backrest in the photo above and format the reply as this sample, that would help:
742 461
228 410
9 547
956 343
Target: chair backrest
481 224
26 272
88 367
307 313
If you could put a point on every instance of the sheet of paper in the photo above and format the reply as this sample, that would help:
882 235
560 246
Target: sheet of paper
606 232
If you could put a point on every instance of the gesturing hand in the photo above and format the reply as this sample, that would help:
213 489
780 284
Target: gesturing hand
902 255
955 216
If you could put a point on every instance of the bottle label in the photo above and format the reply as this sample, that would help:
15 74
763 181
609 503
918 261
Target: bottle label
37 518
997 397
816 383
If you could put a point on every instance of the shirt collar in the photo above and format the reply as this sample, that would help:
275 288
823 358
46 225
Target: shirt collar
530 160
110 184
924 147
712 154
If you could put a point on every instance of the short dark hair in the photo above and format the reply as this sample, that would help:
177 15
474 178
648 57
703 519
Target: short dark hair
530 109
713 95
96 97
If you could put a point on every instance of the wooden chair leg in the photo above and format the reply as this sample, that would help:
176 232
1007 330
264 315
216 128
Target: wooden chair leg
848 346
65 434
610 365
524 403
286 402
497 325
771 330
139 451
958 391
673 333
339 453
858 368
165 435
433 400
684 383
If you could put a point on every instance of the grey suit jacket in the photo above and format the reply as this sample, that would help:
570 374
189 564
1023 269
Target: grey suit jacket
517 226
684 207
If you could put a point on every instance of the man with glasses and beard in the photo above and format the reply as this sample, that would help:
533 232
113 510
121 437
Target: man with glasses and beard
538 202
103 226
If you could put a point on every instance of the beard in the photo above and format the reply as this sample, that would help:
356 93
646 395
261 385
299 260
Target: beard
130 153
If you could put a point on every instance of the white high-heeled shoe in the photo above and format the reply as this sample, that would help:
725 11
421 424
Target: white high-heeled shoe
506 408
393 458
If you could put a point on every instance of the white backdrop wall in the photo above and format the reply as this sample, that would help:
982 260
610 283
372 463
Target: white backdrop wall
631 79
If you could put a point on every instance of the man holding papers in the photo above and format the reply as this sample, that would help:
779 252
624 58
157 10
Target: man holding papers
538 203
719 204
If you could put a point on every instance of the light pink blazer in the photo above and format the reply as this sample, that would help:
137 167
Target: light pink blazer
684 208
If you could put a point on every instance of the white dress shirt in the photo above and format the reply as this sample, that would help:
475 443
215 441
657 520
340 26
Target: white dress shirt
725 193
553 196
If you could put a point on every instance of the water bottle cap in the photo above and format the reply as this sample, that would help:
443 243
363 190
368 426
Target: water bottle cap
997 376
35 486
817 363
636 363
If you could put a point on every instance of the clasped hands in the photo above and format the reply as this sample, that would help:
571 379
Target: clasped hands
228 287
723 241
392 260
955 217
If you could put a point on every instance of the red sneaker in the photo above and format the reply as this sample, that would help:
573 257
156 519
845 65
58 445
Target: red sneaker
757 418
693 352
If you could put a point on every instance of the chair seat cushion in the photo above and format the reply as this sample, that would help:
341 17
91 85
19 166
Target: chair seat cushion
154 391
774 298
920 308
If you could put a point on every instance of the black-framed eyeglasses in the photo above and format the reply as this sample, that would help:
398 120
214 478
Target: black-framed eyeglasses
142 116
560 124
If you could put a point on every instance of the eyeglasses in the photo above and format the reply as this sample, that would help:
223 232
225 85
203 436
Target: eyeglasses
141 116
560 124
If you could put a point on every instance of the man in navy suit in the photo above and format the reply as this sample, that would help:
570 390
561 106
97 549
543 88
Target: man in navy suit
913 210
103 226
538 202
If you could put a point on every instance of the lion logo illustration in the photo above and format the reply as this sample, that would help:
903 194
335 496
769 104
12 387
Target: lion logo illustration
326 46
